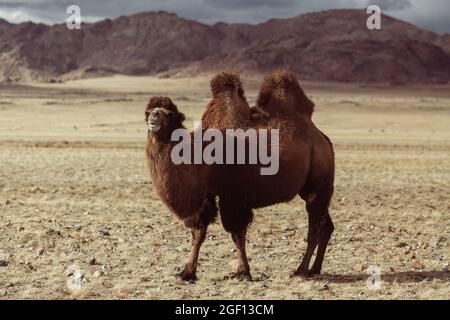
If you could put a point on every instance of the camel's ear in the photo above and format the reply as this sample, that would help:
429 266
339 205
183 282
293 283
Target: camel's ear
181 117
226 82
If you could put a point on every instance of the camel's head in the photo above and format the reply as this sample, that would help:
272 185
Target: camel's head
282 89
224 83
162 116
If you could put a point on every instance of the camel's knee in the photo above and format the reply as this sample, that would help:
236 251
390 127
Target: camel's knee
328 229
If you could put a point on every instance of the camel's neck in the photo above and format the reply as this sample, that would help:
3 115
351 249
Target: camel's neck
183 187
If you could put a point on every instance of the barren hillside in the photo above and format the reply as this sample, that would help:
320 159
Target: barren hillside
332 45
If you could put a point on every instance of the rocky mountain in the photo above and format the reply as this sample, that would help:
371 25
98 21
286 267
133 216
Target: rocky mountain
444 42
332 45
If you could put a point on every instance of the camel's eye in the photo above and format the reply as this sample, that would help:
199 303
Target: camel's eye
166 111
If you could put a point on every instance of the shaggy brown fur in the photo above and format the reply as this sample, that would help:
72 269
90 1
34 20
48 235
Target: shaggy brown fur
183 188
228 108
226 82
281 93
306 169
174 183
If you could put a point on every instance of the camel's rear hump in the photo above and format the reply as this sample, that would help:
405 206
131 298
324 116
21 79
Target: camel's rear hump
281 89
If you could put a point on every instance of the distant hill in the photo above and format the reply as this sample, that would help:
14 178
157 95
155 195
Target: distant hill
444 42
330 45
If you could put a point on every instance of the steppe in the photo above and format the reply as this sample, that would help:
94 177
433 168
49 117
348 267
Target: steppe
74 191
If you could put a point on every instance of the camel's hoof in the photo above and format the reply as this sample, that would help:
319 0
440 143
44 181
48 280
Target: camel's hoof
187 275
305 274
242 275
314 272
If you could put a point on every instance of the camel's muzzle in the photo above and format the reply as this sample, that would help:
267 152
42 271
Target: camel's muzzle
153 125
156 119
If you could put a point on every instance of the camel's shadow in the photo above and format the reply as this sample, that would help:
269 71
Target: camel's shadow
395 277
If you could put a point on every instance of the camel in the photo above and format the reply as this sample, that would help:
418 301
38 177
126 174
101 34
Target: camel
306 169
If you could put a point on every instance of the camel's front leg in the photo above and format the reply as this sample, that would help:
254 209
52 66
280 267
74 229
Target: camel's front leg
199 226
189 271
236 217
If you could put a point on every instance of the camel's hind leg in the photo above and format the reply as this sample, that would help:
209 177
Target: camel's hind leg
320 228
199 226
239 239
325 235
236 218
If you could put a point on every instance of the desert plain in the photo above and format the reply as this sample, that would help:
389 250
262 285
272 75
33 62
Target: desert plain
75 192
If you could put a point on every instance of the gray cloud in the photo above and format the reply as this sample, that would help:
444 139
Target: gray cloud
432 14
391 5
250 4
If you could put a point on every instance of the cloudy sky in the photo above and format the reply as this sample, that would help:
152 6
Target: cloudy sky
431 14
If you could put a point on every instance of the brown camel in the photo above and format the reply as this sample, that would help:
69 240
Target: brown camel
306 168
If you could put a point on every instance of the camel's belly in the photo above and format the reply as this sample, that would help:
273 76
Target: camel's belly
264 190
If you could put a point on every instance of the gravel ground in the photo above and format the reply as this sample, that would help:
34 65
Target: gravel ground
77 202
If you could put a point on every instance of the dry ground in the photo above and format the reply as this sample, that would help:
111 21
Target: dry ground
74 187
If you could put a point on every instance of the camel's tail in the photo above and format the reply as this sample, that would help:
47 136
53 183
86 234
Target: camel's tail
226 82
280 82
